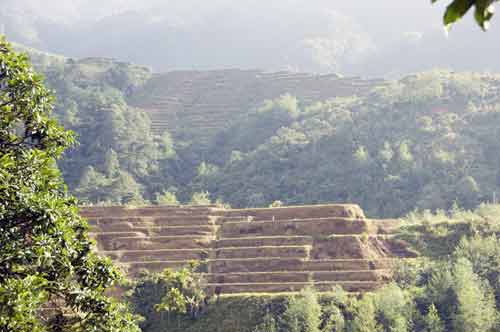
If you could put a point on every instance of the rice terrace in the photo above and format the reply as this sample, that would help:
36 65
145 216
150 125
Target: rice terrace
253 250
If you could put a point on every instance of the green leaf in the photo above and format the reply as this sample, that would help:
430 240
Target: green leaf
483 13
455 11
44 247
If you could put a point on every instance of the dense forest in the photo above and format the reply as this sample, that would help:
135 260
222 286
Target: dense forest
426 141
422 142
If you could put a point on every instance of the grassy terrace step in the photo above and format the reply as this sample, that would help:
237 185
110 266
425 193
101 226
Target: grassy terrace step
303 227
294 264
259 252
150 211
159 230
361 246
264 241
154 242
223 266
299 212
134 269
109 236
343 247
234 221
351 246
125 225
190 220
349 286
370 275
302 276
258 277
125 256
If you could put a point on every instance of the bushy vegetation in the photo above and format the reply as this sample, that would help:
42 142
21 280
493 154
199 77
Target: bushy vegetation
424 142
171 295
427 141
50 278
118 160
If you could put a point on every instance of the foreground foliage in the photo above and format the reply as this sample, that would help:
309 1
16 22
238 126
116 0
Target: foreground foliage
177 293
50 280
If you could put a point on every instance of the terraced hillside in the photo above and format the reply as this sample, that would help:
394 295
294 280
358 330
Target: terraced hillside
252 250
209 100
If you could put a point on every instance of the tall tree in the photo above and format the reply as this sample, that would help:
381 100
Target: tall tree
432 322
50 279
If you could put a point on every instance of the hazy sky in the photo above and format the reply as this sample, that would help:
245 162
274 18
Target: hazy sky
384 12
353 36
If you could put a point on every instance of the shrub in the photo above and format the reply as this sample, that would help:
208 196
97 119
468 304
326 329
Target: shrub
200 198
303 312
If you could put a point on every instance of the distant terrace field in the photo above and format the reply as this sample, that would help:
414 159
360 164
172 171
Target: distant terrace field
252 250
208 101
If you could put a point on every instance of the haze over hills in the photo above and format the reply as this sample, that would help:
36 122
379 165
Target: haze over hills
385 38
250 138
221 132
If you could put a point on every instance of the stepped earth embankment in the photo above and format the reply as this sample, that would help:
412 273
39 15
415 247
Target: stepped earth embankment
252 250
210 100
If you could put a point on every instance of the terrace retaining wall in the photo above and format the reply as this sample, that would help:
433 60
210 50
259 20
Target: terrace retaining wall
252 250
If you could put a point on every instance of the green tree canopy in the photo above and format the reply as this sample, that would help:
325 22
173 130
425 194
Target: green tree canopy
50 280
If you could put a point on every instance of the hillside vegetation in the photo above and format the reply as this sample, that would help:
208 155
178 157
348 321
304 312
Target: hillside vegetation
422 142
426 141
